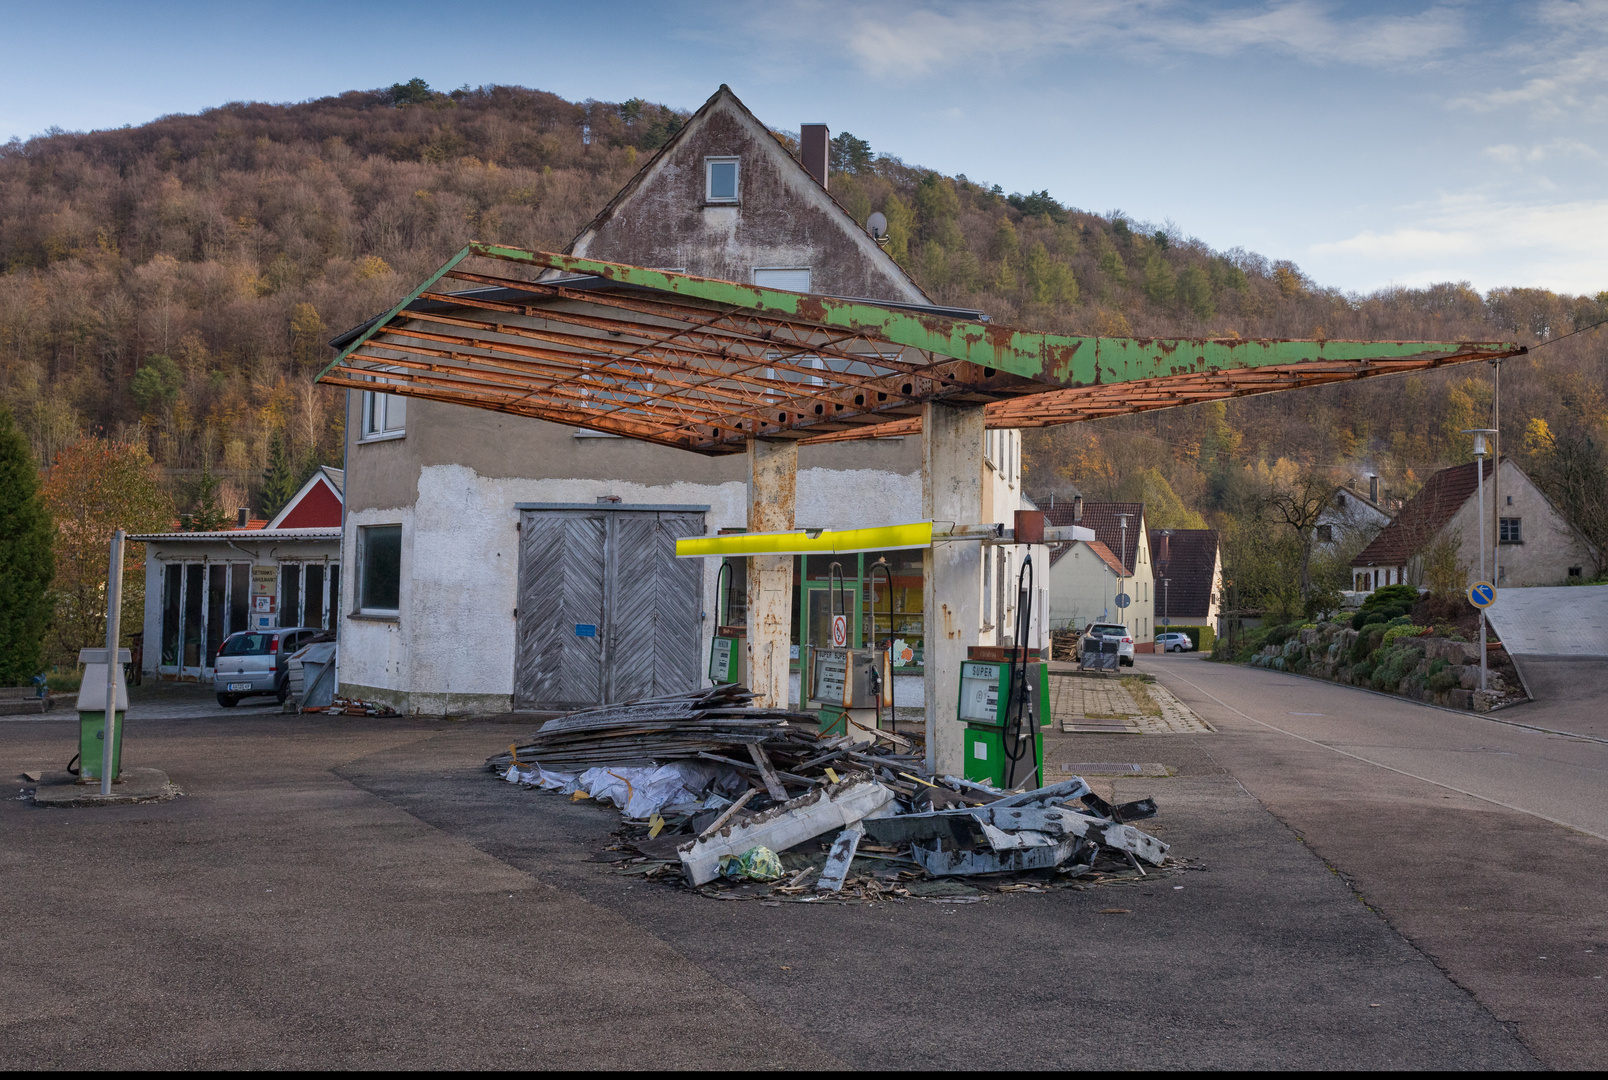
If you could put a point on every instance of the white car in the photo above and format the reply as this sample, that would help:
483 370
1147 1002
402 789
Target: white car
1118 631
1174 642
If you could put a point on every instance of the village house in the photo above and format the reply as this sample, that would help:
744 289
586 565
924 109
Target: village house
200 587
1350 517
506 562
1086 578
1188 569
1534 544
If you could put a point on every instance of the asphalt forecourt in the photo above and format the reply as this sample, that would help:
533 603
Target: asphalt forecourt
345 891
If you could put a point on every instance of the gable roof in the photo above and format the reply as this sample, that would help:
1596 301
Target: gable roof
1424 516
1190 567
316 506
1059 551
1105 520
724 100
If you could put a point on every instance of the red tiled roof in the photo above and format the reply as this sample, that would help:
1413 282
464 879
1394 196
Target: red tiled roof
1189 565
1103 519
1423 516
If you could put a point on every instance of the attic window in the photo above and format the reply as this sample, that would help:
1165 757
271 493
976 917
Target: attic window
720 179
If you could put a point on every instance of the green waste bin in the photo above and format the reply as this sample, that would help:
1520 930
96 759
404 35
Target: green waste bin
92 715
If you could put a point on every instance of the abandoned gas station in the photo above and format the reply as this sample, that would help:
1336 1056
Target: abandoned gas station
720 368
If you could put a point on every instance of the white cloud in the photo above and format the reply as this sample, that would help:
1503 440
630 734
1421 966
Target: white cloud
1550 245
924 37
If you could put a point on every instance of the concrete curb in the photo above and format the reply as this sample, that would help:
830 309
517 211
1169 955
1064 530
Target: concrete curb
61 790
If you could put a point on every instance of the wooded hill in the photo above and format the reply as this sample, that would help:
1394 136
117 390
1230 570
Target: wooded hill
173 285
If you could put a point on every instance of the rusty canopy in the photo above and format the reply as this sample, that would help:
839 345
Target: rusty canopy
704 365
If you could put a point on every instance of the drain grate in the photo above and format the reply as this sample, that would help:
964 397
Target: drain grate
1102 767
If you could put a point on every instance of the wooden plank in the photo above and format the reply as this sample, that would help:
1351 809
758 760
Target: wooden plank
840 858
767 772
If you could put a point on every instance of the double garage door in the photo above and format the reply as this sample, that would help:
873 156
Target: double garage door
607 613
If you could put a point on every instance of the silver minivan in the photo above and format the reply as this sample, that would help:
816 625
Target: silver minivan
254 662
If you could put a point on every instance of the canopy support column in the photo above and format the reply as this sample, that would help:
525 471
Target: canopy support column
772 483
951 491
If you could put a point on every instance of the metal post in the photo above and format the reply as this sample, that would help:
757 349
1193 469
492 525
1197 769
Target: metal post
114 617
1166 602
1122 576
1479 462
1496 474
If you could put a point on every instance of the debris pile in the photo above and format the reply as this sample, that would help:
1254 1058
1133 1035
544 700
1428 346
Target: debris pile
351 707
809 817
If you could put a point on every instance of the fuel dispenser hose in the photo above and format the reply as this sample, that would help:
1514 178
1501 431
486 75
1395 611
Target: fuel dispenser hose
1021 732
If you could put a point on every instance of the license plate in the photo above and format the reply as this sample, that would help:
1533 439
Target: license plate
239 686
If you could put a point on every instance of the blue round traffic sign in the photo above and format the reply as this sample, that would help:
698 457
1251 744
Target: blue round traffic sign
1123 600
1482 594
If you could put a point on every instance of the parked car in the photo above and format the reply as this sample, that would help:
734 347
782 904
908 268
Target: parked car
1118 631
253 662
1174 642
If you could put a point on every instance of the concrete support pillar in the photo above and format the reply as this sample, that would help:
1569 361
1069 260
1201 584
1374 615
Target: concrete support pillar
772 482
951 491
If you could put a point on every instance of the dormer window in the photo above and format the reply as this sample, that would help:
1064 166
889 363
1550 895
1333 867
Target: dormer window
720 179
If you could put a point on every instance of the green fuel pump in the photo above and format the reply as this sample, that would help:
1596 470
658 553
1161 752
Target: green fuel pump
1005 704
728 652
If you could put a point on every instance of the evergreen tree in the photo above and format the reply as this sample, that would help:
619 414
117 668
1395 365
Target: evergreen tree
26 561
279 483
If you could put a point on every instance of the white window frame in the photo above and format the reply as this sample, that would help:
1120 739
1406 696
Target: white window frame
385 403
709 178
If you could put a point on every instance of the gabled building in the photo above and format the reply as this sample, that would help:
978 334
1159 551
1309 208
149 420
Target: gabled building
1534 544
1188 572
200 587
500 561
1119 528
1350 517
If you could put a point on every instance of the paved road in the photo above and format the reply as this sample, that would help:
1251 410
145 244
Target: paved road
341 892
1484 842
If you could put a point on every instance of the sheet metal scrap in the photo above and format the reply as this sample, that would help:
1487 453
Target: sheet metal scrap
655 730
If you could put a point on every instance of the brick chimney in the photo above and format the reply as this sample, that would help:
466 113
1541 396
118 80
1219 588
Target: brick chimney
812 142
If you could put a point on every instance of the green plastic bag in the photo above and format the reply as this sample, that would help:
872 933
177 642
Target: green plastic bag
756 864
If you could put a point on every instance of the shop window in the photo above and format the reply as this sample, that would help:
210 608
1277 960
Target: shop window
380 561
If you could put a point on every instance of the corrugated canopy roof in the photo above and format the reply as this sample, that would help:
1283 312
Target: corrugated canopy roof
705 365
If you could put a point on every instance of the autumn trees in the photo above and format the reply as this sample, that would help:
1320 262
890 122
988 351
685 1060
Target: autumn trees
94 488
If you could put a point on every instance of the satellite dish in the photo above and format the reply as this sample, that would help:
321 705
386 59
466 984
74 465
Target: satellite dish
877 226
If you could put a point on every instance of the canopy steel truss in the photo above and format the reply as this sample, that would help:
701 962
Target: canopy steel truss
704 365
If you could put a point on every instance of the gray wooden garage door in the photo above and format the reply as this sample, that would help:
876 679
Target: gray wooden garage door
607 613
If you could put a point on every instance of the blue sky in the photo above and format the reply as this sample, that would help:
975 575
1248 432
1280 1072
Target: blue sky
1373 144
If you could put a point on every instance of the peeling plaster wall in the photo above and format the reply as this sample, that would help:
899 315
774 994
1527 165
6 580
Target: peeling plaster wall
452 649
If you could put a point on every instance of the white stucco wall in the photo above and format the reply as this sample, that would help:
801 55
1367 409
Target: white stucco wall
1081 589
452 647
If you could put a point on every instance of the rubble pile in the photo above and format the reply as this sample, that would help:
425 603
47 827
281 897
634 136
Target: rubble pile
808 817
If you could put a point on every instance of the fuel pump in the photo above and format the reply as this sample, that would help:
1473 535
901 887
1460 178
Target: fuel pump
1021 735
1005 703
728 658
884 671
843 683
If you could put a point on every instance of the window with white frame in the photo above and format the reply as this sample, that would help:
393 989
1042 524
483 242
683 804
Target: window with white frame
720 179
385 416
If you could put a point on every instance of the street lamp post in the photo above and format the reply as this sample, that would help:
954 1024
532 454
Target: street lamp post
1479 495
1122 557
1166 602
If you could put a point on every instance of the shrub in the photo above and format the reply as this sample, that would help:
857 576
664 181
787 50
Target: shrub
1397 631
1362 673
1443 680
